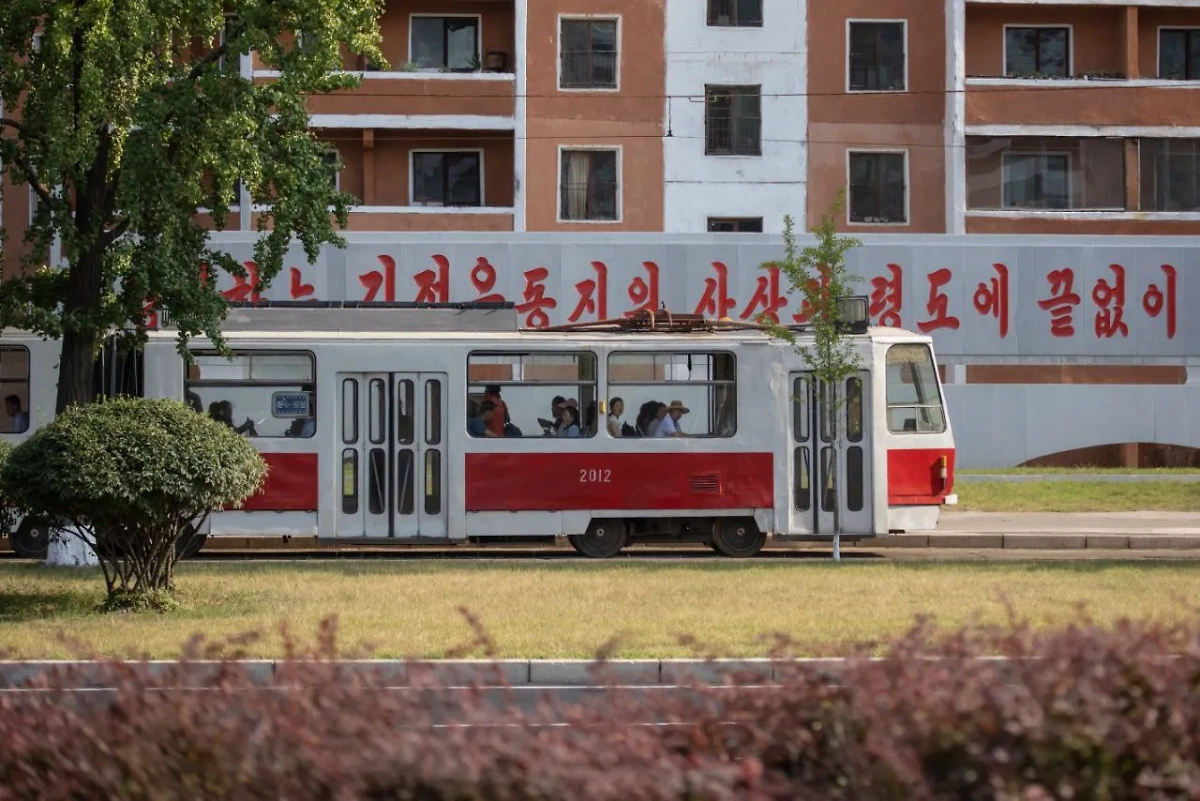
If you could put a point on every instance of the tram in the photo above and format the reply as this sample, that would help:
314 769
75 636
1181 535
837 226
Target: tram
450 424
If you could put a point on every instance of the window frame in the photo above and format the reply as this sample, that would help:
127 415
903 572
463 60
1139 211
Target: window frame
412 177
1068 27
1160 162
736 222
618 150
612 388
617 49
937 382
1004 192
273 382
28 383
850 23
478 18
736 16
867 151
732 91
595 383
1189 30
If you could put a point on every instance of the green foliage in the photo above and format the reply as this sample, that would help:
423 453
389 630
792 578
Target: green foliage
126 119
8 512
132 474
819 274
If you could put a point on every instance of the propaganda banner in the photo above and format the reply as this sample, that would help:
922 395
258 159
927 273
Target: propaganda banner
1020 296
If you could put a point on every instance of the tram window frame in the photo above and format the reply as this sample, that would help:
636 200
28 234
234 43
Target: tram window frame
713 401
928 414
268 385
18 385
580 388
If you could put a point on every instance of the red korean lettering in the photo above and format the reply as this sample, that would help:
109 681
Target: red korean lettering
766 297
299 289
887 297
1061 302
483 278
593 294
536 302
1110 321
939 303
817 288
150 315
433 286
375 280
991 297
244 286
1156 300
644 291
716 301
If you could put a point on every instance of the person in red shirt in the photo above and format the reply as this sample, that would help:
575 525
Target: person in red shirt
500 418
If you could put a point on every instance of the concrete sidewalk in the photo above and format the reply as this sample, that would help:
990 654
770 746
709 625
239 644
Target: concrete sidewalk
1054 531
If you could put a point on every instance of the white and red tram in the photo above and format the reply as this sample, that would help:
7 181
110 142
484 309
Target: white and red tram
361 415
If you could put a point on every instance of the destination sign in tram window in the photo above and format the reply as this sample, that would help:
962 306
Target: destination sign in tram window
259 393
530 384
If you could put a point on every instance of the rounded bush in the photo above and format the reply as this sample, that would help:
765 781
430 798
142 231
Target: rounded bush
132 473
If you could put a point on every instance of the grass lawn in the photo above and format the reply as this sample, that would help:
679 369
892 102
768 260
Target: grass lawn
1078 496
560 610
1066 471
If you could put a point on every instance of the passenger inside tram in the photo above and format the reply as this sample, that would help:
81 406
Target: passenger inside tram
222 412
480 424
569 426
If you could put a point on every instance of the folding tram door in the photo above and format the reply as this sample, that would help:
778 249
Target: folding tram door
816 456
392 461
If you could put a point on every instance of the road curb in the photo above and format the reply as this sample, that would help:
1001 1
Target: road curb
69 674
1037 541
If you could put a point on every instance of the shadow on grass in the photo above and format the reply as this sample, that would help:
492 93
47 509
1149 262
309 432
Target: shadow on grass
20 607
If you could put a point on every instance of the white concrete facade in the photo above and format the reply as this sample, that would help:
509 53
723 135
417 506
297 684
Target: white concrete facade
774 57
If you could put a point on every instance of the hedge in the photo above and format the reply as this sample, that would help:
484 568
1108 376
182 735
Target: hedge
1083 712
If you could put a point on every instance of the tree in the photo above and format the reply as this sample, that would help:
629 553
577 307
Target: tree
124 118
818 273
128 476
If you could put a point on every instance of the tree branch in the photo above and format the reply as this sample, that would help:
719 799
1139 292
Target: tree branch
31 176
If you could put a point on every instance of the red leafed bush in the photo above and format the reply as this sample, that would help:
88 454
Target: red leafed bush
1084 712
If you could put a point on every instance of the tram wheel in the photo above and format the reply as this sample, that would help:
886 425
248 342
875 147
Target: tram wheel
189 543
31 540
737 537
603 539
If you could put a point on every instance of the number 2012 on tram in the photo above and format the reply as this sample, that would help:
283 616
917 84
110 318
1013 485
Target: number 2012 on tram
362 415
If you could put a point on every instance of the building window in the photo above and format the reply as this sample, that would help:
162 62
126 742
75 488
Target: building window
735 13
1179 53
877 57
588 185
258 393
447 179
1042 52
744 225
588 53
14 387
732 121
878 188
1170 171
332 164
538 390
445 43
1036 180
914 402
701 385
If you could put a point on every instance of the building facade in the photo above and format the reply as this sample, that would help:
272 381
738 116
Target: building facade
993 134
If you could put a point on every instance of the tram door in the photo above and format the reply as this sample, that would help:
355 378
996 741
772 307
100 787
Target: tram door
392 455
814 457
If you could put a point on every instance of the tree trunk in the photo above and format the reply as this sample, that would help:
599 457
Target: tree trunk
76 385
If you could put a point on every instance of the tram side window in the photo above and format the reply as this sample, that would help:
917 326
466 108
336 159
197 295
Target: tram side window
14 387
257 393
702 387
914 402
544 394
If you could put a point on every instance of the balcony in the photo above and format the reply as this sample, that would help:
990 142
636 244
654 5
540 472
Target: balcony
1083 178
1080 65
444 70
438 180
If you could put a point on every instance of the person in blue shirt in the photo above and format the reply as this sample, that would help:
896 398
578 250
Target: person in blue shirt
570 425
478 426
20 419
